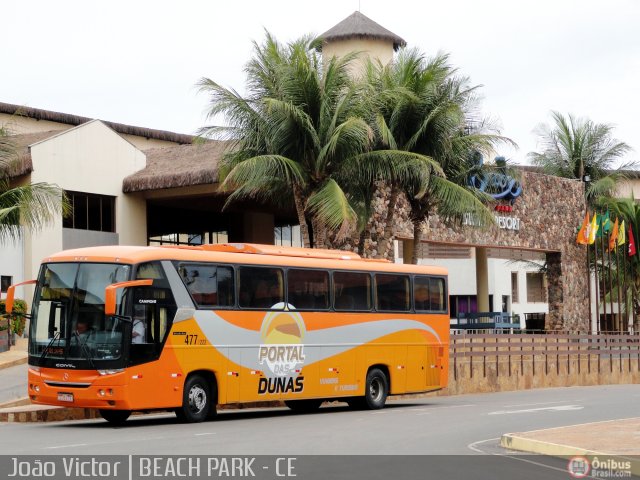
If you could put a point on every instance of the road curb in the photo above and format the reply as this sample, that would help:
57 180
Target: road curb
13 363
514 441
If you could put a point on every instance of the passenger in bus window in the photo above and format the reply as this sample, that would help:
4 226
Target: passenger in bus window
138 334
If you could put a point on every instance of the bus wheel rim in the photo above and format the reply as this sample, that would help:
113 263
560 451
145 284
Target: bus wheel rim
197 399
375 389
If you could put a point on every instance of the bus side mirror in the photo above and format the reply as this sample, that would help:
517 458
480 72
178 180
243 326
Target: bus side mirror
111 291
11 293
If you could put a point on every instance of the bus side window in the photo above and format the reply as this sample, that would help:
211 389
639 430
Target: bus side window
352 291
392 292
308 289
429 294
261 287
209 285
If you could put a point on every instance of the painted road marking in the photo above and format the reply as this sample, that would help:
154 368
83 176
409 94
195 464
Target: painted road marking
67 446
558 408
202 434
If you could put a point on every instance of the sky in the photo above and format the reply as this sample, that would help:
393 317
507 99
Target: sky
137 61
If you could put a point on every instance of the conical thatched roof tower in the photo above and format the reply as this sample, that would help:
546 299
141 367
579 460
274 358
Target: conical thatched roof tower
358 33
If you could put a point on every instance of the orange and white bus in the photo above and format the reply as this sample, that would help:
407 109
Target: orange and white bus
124 329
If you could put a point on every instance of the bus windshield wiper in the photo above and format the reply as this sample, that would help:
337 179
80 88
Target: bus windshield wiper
83 347
55 337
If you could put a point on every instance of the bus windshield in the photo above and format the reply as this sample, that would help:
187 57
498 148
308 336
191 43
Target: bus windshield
68 320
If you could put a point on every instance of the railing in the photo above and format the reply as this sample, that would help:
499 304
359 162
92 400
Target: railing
486 321
571 353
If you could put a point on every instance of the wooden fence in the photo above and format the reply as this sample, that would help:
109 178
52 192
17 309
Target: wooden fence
549 353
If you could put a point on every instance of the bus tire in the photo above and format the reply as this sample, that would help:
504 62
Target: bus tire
303 406
196 400
376 390
115 417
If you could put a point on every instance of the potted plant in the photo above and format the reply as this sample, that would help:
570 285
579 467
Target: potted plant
18 320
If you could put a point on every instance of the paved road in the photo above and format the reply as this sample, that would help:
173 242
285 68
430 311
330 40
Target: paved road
467 424
13 383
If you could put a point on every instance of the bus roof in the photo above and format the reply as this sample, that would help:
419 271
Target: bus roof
241 253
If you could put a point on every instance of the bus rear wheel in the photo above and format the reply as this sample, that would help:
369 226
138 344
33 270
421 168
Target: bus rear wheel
303 406
115 417
376 390
196 400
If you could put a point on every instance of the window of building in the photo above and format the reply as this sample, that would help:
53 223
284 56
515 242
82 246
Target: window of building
288 236
514 288
5 283
536 293
189 238
351 291
461 304
261 287
308 289
392 293
209 285
91 212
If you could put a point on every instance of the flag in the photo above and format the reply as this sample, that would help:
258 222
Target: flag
614 236
632 243
622 239
606 223
583 234
593 230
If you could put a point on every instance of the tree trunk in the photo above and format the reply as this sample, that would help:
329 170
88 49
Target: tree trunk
385 243
319 235
363 238
304 227
417 235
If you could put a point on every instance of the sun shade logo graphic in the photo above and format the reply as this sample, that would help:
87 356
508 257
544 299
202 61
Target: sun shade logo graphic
282 348
579 467
282 352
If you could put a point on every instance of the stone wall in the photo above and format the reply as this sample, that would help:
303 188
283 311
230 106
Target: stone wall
549 209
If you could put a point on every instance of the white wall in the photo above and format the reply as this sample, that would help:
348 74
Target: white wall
11 264
462 281
90 158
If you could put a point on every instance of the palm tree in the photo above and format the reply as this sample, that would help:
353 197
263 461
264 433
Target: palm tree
426 108
300 137
31 206
579 148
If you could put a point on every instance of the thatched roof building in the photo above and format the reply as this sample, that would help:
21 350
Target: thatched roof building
358 25
74 120
179 166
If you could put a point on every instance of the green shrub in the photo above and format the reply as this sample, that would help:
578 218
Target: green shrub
18 320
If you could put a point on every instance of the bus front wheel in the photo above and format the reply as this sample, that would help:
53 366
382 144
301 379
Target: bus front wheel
196 400
376 390
115 417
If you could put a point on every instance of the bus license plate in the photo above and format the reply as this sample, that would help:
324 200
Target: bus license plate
65 397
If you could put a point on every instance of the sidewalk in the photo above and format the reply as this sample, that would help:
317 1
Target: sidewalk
17 355
615 440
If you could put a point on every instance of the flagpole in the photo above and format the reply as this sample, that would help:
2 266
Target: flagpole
597 286
589 290
611 322
604 283
632 274
626 289
619 316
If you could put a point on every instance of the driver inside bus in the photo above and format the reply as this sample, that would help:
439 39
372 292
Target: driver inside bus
139 330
